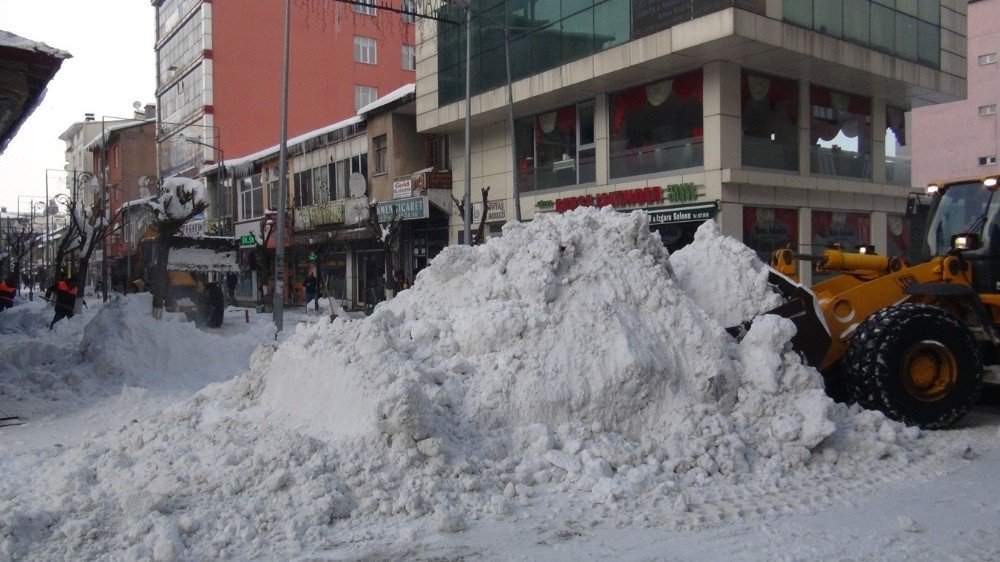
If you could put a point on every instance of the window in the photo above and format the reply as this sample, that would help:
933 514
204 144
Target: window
437 152
365 50
987 160
408 6
366 7
657 127
409 57
381 154
766 229
770 122
850 230
840 129
251 197
988 109
988 58
897 156
556 148
271 178
303 188
364 95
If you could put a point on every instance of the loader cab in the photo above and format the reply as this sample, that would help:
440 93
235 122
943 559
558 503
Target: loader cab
968 210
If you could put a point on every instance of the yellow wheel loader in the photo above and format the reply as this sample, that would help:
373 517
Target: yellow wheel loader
191 264
906 335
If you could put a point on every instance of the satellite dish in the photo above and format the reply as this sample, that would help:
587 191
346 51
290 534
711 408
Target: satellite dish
356 185
136 105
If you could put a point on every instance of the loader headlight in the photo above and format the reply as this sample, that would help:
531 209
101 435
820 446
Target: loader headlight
966 241
990 182
933 189
868 250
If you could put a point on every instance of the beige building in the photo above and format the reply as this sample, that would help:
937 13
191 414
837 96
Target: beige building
784 120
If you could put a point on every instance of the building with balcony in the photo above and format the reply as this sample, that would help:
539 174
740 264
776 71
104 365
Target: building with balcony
961 140
785 120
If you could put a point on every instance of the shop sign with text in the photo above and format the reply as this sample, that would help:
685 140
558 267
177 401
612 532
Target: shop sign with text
496 211
402 188
682 213
412 208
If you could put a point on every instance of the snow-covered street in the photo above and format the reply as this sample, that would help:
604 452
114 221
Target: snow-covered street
566 391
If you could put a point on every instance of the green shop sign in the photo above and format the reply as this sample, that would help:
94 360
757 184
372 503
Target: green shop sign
248 240
410 208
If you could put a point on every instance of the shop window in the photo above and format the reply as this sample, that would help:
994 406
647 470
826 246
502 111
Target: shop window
657 127
897 236
770 122
381 154
550 152
829 228
766 229
840 133
897 152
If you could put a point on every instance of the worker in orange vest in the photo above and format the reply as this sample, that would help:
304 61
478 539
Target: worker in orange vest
8 288
65 291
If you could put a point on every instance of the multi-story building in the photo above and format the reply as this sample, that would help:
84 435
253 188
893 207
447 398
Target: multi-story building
785 120
219 72
960 140
126 152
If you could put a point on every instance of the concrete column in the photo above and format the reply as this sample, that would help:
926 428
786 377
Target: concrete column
721 115
805 244
805 118
879 229
730 220
601 142
878 140
350 281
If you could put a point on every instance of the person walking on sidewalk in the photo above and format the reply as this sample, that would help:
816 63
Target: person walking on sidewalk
310 286
65 291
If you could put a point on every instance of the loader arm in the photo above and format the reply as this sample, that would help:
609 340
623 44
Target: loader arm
849 299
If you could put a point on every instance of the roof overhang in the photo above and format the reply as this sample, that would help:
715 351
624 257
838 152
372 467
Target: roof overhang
26 67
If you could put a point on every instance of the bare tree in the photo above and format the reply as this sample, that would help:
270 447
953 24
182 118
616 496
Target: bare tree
479 234
387 234
20 238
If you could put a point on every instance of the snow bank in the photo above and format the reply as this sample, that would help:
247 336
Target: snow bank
127 345
566 359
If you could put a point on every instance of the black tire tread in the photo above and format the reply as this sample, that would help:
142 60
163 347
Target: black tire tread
869 383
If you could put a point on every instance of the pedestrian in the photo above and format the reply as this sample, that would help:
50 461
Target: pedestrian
310 286
8 288
231 281
400 280
65 291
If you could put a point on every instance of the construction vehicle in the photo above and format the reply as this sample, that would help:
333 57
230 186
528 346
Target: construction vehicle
194 267
906 335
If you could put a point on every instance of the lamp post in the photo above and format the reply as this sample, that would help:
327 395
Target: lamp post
279 251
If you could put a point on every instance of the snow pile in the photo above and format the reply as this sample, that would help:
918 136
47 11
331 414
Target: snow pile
563 359
171 349
724 277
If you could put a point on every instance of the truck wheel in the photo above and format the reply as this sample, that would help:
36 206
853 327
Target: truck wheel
215 305
916 363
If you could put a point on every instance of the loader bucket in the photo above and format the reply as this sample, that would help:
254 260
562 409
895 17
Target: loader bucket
812 337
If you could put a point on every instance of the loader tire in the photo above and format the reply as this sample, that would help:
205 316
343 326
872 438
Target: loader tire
916 363
215 305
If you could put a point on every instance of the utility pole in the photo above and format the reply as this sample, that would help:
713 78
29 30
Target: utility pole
279 251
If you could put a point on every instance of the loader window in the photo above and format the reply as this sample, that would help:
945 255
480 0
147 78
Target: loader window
966 207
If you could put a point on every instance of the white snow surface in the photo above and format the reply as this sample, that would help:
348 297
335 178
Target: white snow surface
558 392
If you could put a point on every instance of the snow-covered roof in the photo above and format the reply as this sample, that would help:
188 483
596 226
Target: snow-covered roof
260 154
8 39
397 94
112 127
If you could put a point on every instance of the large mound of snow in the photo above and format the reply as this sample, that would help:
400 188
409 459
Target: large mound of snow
565 358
